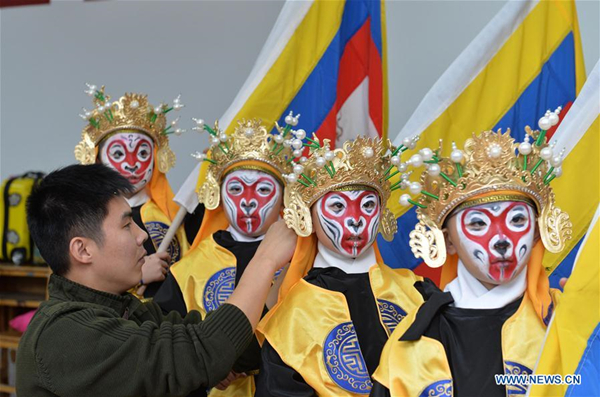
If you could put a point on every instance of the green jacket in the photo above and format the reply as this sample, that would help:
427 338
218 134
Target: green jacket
83 342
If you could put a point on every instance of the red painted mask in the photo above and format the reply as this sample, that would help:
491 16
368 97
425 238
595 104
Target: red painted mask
249 199
350 220
497 237
132 155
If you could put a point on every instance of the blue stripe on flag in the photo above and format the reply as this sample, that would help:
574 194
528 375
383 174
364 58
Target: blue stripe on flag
397 253
553 87
318 94
355 15
375 11
565 267
588 368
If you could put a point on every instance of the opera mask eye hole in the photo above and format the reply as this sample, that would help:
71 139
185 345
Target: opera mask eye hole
336 206
264 189
519 219
476 221
369 204
144 152
234 188
116 152
476 224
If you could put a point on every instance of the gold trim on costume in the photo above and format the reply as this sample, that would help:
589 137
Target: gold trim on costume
254 168
494 199
350 188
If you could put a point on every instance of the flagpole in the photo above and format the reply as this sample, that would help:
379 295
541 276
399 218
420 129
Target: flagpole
177 221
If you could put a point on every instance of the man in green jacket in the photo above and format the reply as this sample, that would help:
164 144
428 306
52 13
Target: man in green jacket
92 338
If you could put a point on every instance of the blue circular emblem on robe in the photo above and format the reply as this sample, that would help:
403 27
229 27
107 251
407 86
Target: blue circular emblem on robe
441 388
344 360
157 231
218 288
391 314
514 368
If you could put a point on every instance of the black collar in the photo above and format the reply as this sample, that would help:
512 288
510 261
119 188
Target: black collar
435 299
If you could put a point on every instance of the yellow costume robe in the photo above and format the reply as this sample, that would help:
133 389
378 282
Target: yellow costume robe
205 278
207 275
418 365
312 331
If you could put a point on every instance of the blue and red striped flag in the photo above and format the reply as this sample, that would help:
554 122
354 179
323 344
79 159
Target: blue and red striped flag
527 60
572 344
323 59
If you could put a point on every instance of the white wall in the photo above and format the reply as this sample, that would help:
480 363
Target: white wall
203 50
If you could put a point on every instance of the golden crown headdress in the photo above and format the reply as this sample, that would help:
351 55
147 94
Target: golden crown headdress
250 145
491 168
362 162
130 112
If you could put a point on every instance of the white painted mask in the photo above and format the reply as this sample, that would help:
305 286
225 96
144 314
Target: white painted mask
349 220
132 155
252 201
497 238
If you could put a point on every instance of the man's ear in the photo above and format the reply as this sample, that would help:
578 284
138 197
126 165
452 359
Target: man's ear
450 248
81 250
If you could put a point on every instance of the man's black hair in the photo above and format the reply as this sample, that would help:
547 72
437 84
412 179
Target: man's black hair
71 202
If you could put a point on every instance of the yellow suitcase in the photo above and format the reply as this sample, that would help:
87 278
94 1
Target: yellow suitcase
17 246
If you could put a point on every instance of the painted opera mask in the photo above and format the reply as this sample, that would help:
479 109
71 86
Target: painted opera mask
347 222
131 154
494 241
252 201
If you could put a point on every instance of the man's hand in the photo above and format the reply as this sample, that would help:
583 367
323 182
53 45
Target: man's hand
273 253
277 248
562 282
224 384
155 267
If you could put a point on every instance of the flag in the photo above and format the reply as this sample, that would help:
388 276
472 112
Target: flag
527 60
577 190
323 59
572 344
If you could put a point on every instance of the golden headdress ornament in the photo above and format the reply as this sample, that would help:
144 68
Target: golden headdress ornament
130 112
362 162
491 168
250 146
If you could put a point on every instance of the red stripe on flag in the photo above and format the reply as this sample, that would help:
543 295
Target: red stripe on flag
563 112
375 88
327 130
434 274
359 60
354 63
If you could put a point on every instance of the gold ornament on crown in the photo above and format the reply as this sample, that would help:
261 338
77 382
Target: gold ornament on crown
359 164
131 112
249 142
491 168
